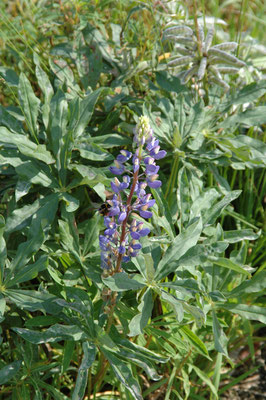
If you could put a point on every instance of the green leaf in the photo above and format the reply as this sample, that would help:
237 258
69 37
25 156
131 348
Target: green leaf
254 285
195 341
239 235
123 373
41 320
176 304
226 263
43 209
33 301
182 285
169 82
9 371
111 140
55 333
58 121
205 379
69 236
132 352
92 230
204 203
23 255
164 210
28 272
250 92
72 204
69 348
44 83
180 245
138 323
26 146
82 378
220 340
22 188
196 313
92 176
10 76
93 152
29 104
35 173
8 120
2 307
84 111
216 210
120 282
256 116
251 312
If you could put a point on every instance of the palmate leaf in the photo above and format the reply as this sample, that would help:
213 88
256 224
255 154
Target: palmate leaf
254 285
89 351
226 263
180 245
55 333
252 312
123 373
25 145
215 212
120 282
9 121
9 371
202 375
220 340
82 110
93 152
28 272
32 300
198 345
256 116
138 323
41 209
36 173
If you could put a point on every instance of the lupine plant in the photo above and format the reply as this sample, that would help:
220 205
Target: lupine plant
120 241
198 54
155 299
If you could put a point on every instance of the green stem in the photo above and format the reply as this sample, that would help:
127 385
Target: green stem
197 28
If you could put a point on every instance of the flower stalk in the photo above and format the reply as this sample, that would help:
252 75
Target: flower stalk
120 241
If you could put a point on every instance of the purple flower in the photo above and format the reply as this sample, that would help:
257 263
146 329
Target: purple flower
118 169
124 156
121 237
117 186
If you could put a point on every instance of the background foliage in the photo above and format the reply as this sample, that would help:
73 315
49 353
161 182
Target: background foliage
75 77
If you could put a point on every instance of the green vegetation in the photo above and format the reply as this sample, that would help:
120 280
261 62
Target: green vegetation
75 78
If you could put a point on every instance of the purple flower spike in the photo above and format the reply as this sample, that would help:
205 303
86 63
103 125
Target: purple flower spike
122 235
